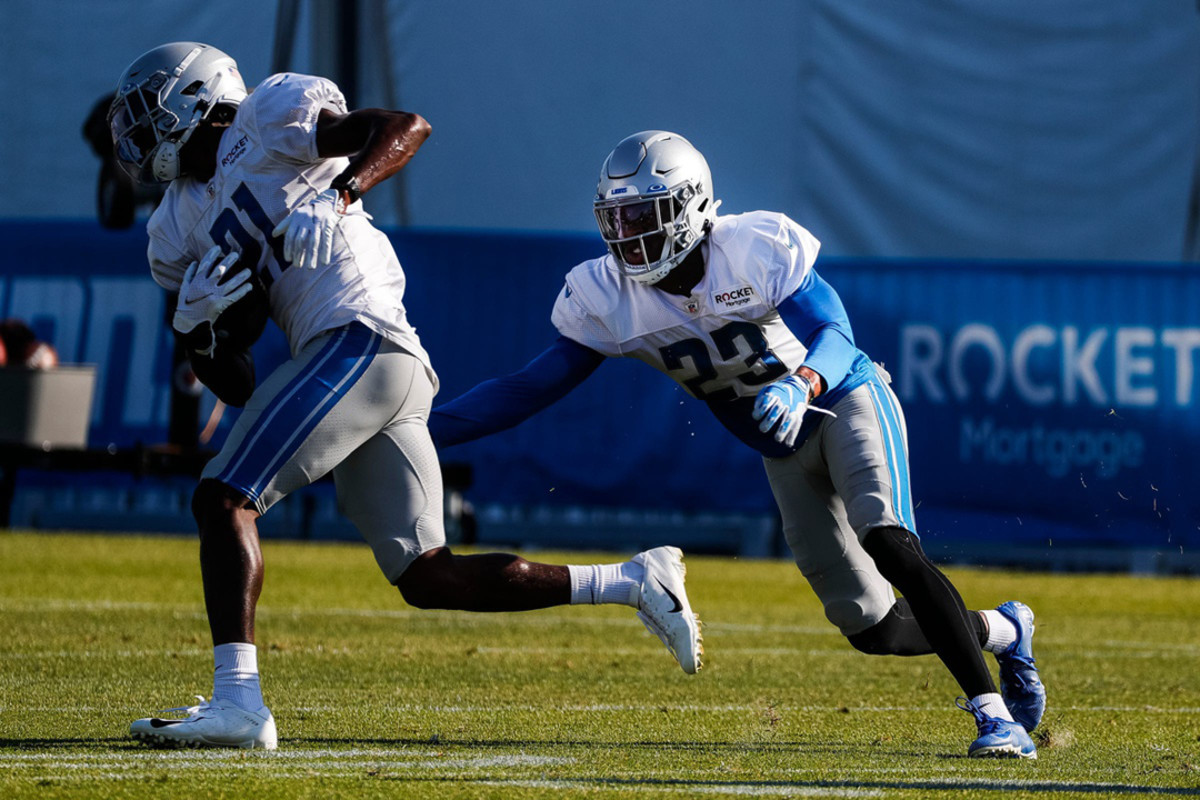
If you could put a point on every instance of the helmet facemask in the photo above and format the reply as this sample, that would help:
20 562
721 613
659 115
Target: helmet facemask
147 135
161 105
650 225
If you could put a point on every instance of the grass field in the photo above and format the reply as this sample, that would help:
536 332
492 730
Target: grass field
374 699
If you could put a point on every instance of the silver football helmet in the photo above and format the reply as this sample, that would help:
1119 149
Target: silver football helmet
654 203
162 98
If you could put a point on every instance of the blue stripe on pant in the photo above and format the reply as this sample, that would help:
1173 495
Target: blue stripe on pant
296 411
895 451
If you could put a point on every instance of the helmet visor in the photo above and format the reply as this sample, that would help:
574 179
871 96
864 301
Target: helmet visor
626 221
636 232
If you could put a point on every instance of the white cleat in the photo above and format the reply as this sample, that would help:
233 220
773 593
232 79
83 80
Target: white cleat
664 609
216 724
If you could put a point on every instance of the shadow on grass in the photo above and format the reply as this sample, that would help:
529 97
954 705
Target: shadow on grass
65 744
1049 787
793 748
789 746
780 746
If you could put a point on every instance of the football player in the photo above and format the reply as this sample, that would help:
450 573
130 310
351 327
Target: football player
265 189
732 309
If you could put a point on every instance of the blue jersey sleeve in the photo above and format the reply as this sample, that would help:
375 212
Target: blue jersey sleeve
498 404
815 314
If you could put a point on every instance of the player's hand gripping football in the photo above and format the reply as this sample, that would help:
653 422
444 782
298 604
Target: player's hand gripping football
784 402
203 296
308 231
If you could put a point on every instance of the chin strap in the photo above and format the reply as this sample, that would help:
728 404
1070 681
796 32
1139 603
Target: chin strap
165 161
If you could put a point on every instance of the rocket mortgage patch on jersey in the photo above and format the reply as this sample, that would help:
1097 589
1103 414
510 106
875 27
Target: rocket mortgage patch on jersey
733 298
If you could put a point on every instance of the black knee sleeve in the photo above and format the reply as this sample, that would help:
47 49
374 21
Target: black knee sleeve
897 634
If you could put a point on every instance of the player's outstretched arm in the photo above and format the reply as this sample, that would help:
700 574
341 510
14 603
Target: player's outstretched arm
498 404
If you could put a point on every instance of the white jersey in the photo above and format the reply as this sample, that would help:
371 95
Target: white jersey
267 165
726 340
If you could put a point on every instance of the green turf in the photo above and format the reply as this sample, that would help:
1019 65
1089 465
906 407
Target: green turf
374 699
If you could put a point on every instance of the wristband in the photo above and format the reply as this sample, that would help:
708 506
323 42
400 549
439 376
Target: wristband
347 185
806 385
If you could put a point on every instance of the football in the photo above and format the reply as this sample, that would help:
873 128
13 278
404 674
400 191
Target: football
240 325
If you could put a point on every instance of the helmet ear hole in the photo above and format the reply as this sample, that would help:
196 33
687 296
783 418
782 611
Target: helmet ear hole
192 88
222 114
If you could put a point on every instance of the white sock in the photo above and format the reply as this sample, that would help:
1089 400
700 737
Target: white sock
1001 631
606 583
235 675
992 705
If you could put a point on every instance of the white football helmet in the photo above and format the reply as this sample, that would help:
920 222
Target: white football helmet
162 98
654 203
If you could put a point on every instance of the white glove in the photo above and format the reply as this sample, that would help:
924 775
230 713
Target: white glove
202 296
785 402
308 230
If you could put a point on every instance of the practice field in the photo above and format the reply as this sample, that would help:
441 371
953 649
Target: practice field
377 700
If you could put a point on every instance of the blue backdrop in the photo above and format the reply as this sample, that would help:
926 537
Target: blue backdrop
1043 399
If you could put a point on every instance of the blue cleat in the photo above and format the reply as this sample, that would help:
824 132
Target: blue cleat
1020 685
998 738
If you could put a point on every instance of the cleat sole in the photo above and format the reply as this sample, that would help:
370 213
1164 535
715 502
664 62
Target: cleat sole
1002 752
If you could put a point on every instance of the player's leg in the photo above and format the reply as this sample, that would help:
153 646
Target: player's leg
998 630
390 487
289 434
897 634
866 450
230 560
855 597
1007 631
936 606
651 582
232 570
